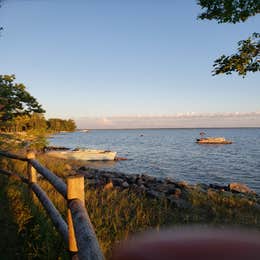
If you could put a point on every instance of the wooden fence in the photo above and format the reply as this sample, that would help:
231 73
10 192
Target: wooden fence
78 232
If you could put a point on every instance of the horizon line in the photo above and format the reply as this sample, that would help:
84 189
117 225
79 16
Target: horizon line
173 128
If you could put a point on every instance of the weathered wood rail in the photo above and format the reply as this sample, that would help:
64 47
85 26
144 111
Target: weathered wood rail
78 232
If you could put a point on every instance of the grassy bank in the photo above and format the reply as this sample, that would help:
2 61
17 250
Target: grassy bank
116 214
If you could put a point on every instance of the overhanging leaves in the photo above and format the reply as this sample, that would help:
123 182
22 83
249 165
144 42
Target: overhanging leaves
233 11
246 60
229 11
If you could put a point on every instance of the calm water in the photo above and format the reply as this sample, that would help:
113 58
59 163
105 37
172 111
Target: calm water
174 153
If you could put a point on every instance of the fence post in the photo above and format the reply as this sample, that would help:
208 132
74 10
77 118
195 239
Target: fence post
75 190
31 172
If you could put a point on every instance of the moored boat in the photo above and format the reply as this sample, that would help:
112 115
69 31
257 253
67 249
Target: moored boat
83 131
213 140
84 155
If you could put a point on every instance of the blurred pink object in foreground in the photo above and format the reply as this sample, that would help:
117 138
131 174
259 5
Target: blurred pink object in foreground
192 243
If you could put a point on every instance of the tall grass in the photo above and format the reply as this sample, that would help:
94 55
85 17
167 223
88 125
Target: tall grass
34 231
224 208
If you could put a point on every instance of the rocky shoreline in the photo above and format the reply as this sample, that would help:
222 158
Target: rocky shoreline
176 192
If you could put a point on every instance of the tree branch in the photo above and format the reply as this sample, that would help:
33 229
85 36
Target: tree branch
246 60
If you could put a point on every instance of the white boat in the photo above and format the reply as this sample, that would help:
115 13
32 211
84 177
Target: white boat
83 131
84 155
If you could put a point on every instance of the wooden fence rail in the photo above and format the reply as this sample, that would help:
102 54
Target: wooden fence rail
79 233
16 176
86 238
13 156
56 182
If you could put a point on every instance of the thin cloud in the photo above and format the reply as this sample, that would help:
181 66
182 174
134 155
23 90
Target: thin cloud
180 120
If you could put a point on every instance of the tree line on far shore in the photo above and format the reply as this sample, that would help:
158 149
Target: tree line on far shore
37 121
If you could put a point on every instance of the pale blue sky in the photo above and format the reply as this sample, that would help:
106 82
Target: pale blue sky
102 58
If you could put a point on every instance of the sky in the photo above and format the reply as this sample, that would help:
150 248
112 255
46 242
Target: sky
109 63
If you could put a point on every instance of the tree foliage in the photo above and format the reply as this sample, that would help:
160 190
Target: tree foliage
247 59
37 123
15 100
57 125
229 11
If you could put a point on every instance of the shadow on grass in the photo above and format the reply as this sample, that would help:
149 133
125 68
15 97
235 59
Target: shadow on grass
10 242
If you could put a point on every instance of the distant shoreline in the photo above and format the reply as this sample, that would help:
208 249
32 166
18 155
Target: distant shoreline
172 128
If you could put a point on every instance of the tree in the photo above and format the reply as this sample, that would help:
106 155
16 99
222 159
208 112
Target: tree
15 100
57 125
36 122
247 59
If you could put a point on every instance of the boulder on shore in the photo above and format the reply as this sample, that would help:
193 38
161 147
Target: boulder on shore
176 192
240 187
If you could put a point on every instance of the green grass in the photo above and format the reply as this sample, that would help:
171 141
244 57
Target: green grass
10 245
32 230
223 208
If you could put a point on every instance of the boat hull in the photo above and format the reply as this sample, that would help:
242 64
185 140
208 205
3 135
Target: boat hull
85 155
213 142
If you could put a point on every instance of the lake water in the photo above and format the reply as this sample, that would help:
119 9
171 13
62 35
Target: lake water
174 153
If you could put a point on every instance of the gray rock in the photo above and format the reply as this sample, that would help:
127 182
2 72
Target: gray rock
148 178
117 181
107 175
169 180
161 187
171 188
131 179
153 194
93 182
182 184
139 182
141 188
134 186
218 187
121 175
89 175
83 168
160 180
125 185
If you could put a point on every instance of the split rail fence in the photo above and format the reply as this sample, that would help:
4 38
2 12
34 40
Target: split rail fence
77 232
